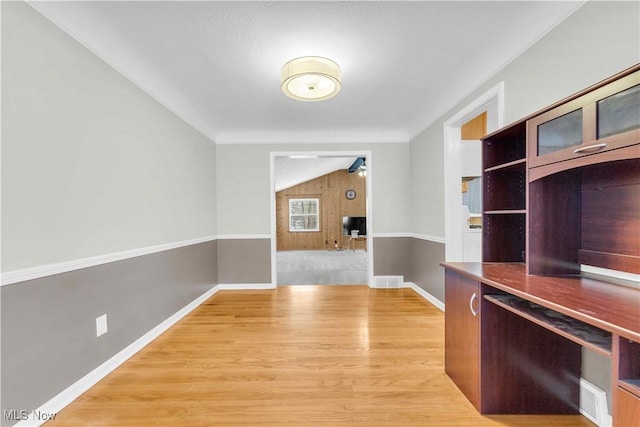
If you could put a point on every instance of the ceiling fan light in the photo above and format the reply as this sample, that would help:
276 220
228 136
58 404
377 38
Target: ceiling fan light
311 78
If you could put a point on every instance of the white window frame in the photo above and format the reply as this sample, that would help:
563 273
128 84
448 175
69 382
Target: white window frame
317 214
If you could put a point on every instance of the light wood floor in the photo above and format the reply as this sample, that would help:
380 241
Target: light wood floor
295 356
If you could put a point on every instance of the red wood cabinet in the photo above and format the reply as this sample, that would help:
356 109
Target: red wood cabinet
590 198
490 354
521 354
561 190
462 334
626 382
626 411
605 118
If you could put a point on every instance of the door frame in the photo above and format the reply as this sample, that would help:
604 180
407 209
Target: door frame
492 102
368 203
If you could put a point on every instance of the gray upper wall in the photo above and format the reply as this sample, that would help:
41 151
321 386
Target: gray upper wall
243 184
597 41
91 164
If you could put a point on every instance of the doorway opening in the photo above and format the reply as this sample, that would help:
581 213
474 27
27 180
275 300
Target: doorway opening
463 167
321 218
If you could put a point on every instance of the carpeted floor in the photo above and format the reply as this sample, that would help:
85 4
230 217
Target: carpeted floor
322 267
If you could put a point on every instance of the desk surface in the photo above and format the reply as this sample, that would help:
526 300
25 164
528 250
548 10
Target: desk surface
611 307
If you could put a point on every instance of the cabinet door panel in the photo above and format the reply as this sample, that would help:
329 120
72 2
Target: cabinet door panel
626 411
462 334
559 133
604 119
619 113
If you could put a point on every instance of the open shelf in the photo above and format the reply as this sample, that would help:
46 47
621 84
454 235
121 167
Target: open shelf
509 165
506 212
629 366
579 332
505 188
632 386
504 235
506 146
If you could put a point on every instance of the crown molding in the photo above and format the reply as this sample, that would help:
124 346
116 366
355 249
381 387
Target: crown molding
317 136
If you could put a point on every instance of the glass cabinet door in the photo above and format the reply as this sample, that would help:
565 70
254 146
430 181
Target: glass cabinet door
598 121
619 113
559 133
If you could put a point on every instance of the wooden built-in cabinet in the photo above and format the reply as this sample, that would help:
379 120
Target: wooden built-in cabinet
606 117
556 210
462 335
627 410
528 335
626 382
561 190
493 369
504 195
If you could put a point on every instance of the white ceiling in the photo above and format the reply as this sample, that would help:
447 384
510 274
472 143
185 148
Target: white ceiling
217 64
290 171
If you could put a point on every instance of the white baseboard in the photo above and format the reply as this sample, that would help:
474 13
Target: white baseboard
64 398
426 295
244 286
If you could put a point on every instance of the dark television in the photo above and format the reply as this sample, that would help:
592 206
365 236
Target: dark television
354 223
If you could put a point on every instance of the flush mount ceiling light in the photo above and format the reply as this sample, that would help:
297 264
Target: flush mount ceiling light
310 78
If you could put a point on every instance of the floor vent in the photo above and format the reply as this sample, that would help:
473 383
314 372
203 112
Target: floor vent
593 404
389 282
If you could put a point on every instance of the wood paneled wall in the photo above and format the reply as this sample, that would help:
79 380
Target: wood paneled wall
330 189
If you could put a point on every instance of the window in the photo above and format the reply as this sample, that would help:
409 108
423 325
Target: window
304 215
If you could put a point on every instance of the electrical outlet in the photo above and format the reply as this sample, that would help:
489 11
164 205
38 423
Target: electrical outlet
101 325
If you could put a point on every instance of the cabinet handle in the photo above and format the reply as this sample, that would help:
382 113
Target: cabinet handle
590 148
474 312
